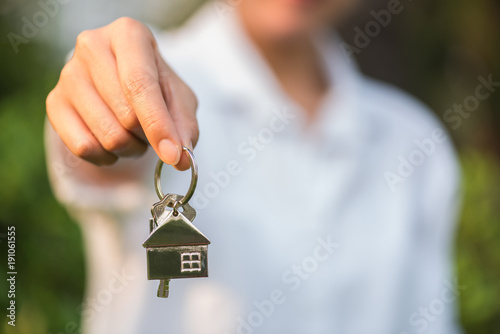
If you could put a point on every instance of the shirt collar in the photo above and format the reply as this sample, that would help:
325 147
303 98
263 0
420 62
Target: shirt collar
245 78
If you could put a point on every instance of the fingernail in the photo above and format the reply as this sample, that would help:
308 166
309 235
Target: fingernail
169 152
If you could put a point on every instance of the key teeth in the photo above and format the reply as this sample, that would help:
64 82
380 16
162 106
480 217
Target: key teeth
163 288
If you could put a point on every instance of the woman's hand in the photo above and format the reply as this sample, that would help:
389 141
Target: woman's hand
116 94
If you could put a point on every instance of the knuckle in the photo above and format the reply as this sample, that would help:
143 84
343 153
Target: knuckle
68 71
114 139
137 84
50 101
85 40
150 123
128 24
127 117
84 149
53 104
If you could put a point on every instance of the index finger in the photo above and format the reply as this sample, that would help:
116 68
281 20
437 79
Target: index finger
135 53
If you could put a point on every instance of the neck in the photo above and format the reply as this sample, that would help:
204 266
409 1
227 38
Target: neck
297 67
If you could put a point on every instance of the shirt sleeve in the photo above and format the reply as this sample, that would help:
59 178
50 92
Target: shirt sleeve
441 201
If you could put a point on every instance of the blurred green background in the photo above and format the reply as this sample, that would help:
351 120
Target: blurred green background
433 49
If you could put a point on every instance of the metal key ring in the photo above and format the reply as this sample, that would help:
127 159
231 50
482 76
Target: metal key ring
192 186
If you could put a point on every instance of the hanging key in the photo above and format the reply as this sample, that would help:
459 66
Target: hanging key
175 248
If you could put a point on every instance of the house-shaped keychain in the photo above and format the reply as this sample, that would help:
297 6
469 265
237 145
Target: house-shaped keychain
175 247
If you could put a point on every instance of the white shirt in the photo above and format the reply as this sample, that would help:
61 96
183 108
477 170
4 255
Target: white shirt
344 226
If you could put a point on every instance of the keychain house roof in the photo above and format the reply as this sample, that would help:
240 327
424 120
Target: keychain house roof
176 249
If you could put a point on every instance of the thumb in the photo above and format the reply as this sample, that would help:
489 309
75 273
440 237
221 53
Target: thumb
181 104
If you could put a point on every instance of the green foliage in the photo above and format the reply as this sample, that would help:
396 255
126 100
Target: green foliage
477 248
49 257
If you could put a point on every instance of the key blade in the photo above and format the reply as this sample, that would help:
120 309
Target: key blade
163 289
